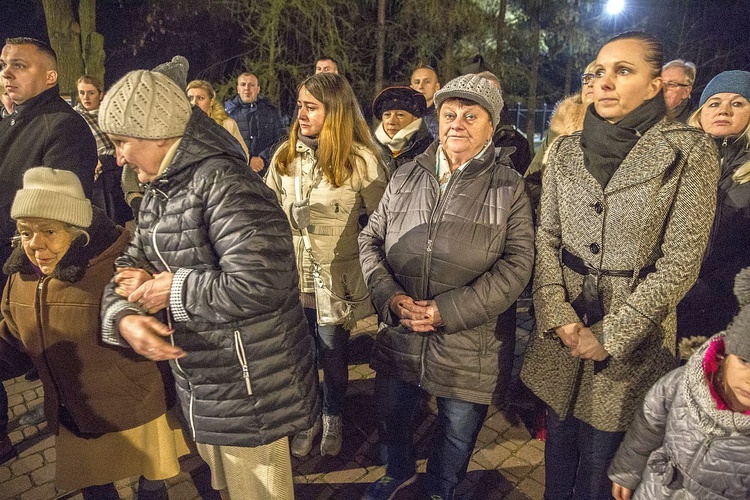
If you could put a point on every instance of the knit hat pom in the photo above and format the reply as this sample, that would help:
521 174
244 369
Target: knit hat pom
738 333
52 194
145 105
176 70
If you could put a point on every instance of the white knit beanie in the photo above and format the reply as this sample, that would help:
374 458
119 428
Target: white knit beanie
474 88
52 194
145 105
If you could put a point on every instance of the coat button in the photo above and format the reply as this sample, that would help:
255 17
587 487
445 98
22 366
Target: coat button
598 207
594 247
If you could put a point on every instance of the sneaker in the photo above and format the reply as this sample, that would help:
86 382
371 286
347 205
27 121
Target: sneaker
386 487
330 444
34 416
303 441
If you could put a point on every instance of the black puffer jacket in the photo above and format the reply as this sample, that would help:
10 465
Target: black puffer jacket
471 250
710 305
248 378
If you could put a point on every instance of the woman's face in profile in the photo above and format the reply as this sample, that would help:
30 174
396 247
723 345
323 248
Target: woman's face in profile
44 241
623 79
311 113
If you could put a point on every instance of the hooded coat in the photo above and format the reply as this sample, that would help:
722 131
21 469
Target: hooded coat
681 445
470 250
656 210
248 378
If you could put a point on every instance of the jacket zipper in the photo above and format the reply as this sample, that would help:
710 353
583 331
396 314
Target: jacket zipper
191 417
705 445
240 350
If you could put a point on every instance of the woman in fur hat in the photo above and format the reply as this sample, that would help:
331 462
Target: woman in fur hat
107 406
690 439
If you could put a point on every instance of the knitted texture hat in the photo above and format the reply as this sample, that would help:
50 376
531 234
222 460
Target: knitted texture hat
52 194
146 105
176 70
474 88
734 82
403 98
737 340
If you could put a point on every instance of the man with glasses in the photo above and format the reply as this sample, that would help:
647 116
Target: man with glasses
678 76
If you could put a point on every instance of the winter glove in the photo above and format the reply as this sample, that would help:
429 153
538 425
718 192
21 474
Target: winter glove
301 214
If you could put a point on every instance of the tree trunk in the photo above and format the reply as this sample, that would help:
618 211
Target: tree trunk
92 43
380 55
500 28
79 48
568 75
533 77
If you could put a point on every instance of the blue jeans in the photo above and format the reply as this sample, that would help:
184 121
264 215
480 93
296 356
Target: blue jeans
576 458
332 354
458 425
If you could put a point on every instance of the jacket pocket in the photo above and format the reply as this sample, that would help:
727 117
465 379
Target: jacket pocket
239 349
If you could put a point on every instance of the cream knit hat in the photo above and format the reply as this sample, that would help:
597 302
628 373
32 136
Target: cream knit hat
474 88
146 105
52 194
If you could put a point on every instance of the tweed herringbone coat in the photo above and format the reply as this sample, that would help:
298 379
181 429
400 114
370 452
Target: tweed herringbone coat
657 210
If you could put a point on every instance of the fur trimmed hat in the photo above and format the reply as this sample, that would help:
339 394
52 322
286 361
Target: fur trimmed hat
48 193
403 98
474 88
146 105
737 339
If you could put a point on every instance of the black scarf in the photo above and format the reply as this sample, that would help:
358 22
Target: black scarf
605 145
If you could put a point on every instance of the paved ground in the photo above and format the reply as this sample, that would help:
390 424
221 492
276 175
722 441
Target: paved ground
507 462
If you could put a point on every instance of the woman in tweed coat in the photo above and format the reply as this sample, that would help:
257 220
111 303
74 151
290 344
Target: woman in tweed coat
625 213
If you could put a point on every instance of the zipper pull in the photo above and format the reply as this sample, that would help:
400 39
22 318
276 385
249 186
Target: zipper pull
429 245
725 142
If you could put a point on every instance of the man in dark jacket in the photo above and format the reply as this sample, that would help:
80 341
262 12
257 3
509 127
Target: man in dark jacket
214 248
41 130
258 120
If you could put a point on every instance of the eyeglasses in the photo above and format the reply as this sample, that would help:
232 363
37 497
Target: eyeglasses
587 78
675 85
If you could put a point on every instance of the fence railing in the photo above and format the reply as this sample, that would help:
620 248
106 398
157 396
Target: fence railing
520 115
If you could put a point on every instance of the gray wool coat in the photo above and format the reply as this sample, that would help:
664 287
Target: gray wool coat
681 446
471 251
656 210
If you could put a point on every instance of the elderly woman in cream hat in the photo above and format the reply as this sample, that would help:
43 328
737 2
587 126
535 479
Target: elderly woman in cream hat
107 407
445 255
219 294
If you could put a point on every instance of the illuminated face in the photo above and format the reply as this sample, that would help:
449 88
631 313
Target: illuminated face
311 114
44 241
326 66
623 79
248 88
144 156
89 96
737 379
425 81
676 87
463 130
396 119
199 97
725 114
26 71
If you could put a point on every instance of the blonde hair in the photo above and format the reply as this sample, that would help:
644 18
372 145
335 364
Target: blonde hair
343 127
217 111
742 174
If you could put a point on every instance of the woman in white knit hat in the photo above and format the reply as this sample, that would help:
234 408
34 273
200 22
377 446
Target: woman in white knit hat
219 296
107 407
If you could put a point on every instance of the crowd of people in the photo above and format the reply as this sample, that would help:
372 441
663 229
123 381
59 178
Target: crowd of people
251 252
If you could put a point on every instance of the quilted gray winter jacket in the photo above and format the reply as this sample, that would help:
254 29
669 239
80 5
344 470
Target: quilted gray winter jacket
471 251
248 378
680 446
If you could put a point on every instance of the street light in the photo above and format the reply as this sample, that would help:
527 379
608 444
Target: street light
614 7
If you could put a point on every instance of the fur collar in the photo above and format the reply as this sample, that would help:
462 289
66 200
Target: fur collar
72 266
568 115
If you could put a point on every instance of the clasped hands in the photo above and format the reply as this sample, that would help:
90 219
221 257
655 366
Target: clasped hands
581 341
145 334
420 316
